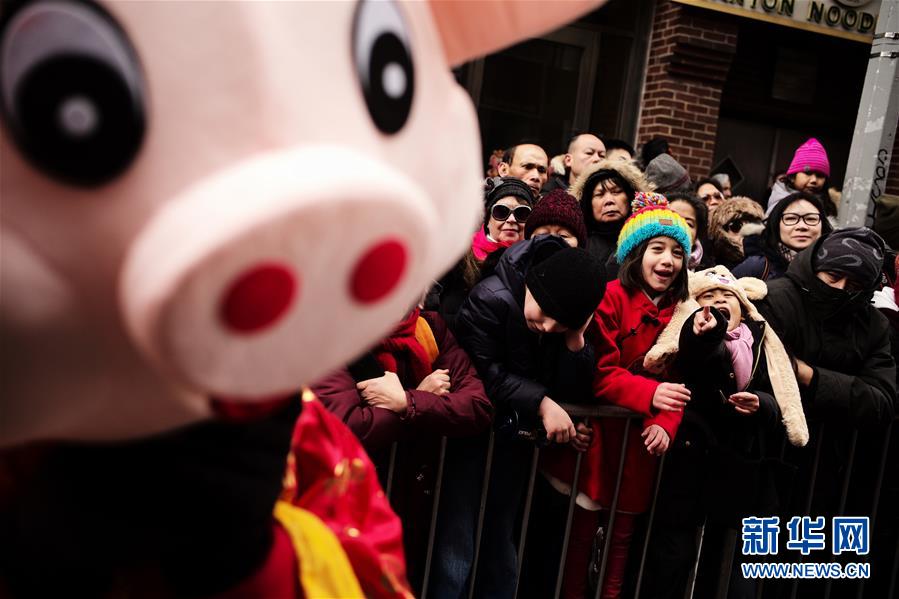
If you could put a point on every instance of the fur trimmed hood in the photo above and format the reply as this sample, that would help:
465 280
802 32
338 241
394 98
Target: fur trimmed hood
626 169
780 367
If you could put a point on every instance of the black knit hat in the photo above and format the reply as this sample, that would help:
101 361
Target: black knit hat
568 285
497 188
855 252
558 208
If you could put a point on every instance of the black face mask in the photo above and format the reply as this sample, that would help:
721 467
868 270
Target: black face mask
826 301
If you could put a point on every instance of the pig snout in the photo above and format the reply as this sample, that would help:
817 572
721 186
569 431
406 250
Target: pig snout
256 280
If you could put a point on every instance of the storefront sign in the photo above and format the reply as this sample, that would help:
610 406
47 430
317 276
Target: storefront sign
850 19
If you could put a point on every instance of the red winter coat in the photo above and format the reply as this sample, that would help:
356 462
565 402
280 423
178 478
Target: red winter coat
465 410
629 325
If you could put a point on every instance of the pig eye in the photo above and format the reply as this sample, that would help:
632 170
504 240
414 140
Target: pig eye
72 90
383 63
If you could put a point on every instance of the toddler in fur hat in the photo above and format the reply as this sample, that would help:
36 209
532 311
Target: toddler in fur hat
724 345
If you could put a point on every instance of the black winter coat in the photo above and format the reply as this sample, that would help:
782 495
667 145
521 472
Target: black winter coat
843 337
602 239
517 366
761 262
602 242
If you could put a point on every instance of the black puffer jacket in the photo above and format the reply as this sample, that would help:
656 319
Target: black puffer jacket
843 337
519 367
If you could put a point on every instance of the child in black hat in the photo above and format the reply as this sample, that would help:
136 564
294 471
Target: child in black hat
524 328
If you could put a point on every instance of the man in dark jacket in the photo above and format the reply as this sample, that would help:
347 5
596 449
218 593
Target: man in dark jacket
524 329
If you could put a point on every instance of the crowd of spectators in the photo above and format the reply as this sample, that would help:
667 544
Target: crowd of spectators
733 328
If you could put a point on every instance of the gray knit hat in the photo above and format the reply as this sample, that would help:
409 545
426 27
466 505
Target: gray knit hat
667 174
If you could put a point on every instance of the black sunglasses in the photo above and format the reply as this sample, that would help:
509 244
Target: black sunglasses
501 212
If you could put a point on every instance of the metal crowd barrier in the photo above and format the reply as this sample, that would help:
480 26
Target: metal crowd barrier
580 413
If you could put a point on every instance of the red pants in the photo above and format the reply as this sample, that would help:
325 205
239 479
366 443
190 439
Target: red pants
583 530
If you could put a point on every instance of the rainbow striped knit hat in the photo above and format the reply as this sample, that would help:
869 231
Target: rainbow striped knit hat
651 217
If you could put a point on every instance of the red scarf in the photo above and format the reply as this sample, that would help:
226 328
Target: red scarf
481 246
402 346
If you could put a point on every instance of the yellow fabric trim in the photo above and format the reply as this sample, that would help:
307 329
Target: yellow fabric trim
325 570
425 336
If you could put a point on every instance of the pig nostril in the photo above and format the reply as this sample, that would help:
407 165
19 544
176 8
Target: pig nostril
378 271
258 297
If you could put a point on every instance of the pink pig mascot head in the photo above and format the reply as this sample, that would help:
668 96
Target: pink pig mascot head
219 201
206 205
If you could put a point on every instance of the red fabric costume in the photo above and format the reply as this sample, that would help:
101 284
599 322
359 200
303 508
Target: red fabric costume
329 474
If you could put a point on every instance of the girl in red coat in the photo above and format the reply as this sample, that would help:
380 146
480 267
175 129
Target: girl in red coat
652 280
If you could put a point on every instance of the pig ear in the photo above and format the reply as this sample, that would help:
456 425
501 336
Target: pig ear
472 29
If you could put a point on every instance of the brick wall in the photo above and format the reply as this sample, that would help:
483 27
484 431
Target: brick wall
689 57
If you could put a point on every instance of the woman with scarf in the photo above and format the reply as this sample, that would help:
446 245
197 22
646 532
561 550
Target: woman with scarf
507 203
797 222
507 206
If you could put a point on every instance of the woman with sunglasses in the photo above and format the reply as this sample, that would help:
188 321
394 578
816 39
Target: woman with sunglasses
508 205
797 222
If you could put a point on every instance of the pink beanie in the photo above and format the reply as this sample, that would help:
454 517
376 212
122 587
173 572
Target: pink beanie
810 156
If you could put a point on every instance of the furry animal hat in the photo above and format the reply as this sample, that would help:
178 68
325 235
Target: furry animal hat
732 209
738 207
780 368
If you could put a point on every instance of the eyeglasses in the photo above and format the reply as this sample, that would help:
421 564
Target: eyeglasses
501 212
791 218
712 196
735 225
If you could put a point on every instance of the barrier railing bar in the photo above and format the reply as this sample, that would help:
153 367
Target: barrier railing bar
597 411
811 493
529 499
844 493
850 462
432 530
568 519
652 515
694 571
391 469
878 487
727 563
760 587
612 511
616 412
814 475
480 528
